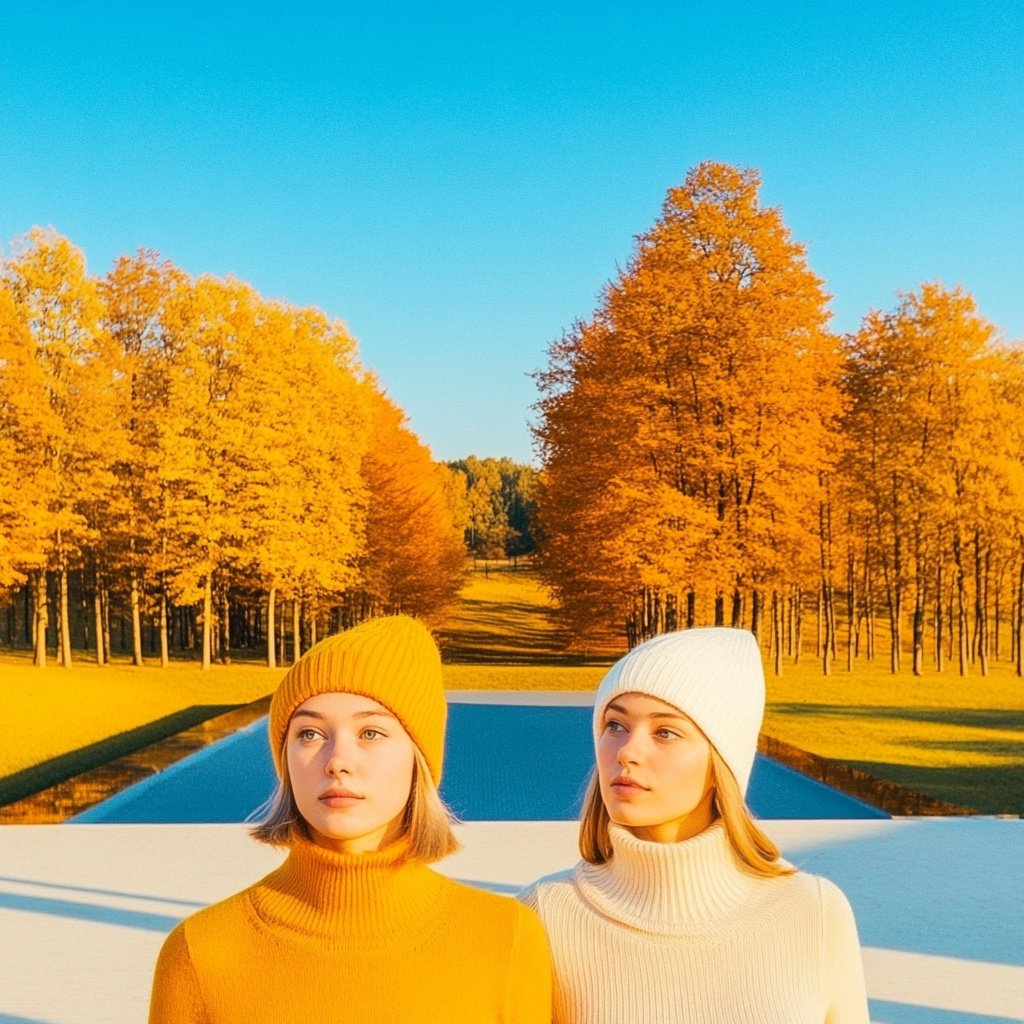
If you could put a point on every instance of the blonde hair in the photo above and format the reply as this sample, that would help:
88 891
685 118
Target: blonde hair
426 820
750 845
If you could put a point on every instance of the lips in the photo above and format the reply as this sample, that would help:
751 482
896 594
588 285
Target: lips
622 785
339 798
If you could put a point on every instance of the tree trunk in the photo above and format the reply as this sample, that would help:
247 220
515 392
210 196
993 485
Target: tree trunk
918 628
312 627
757 600
869 614
737 610
691 609
165 655
984 614
225 628
850 609
824 606
97 603
105 603
207 621
42 619
962 626
136 620
282 649
997 609
1020 621
271 633
818 625
296 629
798 642
777 631
938 618
895 640
65 622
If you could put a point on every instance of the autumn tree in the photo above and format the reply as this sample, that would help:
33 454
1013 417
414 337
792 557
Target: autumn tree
191 455
413 561
73 378
934 470
687 428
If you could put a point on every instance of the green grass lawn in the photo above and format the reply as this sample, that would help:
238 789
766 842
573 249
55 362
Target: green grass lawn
959 739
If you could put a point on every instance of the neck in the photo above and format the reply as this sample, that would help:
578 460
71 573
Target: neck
322 894
668 887
371 842
678 829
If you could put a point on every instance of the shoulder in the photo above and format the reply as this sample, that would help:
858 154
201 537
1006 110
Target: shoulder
836 912
821 897
493 916
491 908
547 889
215 925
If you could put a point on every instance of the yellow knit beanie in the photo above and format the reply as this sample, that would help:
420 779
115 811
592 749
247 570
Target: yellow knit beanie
392 660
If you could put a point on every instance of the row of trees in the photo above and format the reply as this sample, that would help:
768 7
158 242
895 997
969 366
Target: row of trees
494 501
712 452
190 455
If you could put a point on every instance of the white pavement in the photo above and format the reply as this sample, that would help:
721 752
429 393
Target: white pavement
84 908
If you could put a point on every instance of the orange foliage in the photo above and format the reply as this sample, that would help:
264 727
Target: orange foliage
687 425
413 561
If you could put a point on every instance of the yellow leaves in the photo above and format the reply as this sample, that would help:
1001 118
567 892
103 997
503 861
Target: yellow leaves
186 429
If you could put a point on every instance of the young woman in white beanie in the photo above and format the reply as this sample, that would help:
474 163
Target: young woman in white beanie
681 911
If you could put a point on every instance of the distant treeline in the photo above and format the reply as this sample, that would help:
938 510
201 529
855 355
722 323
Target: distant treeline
494 502
714 454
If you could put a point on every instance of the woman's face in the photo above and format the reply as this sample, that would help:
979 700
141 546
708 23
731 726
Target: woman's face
350 762
654 768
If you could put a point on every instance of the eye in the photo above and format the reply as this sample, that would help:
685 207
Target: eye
371 734
307 735
613 726
666 734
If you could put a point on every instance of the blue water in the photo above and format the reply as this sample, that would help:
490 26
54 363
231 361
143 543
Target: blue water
503 762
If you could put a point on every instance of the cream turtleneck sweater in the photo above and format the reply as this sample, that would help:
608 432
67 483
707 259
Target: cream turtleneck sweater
680 933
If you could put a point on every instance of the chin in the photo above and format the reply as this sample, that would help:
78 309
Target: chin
630 817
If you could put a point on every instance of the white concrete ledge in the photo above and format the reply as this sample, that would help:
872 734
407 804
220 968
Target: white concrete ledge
97 900
530 698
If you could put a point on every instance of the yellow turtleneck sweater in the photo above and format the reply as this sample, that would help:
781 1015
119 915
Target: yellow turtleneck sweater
681 933
372 938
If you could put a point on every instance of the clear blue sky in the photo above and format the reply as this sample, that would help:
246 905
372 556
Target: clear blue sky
457 181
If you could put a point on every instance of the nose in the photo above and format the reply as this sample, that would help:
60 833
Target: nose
337 762
631 750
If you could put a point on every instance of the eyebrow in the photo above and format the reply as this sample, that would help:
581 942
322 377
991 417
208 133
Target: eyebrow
653 714
359 714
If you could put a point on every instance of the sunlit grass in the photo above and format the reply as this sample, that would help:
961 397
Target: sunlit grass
46 712
938 719
523 677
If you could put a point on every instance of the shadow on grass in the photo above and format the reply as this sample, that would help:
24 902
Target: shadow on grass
512 633
978 718
41 776
997 789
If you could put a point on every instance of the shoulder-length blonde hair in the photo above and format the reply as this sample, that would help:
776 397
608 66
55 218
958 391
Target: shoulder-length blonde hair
752 847
426 820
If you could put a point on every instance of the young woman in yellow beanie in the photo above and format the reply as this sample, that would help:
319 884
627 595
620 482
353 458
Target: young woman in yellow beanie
681 909
354 928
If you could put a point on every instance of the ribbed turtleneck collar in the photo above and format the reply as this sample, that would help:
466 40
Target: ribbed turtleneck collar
354 899
669 888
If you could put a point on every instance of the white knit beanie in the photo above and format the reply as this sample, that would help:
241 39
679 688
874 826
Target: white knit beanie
713 675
